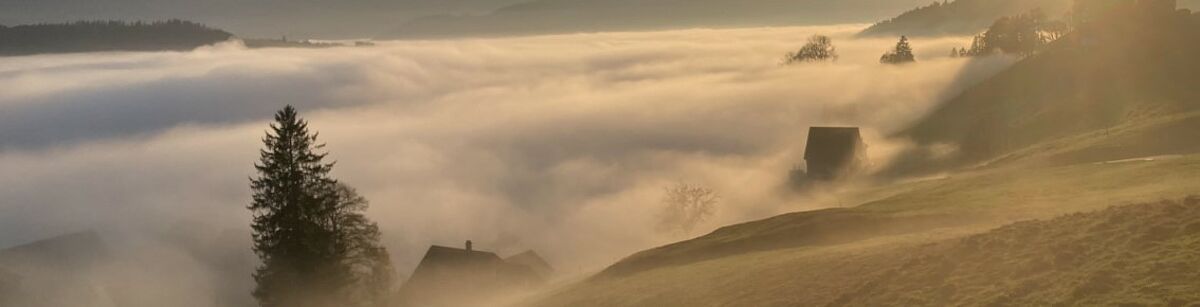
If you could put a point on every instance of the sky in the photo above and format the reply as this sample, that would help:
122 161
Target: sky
562 144
358 19
254 18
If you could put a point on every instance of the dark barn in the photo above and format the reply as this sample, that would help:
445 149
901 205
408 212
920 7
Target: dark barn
834 152
450 276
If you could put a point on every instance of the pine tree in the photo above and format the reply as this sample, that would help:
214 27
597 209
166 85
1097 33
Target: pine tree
903 53
316 247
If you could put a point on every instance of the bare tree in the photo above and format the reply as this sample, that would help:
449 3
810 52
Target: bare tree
685 206
819 48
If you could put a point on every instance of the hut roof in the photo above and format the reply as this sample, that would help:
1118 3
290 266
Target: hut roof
532 260
447 275
835 143
449 255
66 252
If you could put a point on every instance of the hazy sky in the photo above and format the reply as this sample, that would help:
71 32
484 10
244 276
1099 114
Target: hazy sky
562 144
252 18
343 19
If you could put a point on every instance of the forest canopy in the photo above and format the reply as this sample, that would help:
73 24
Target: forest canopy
92 36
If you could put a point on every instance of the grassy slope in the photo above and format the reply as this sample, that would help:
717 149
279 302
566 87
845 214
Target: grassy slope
718 269
1042 129
1129 256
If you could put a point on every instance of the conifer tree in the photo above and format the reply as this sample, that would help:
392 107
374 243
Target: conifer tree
901 54
316 247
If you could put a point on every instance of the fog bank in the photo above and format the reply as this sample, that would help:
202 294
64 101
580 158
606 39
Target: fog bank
561 144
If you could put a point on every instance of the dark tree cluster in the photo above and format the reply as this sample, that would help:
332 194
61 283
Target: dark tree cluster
317 248
92 36
819 48
1023 35
901 54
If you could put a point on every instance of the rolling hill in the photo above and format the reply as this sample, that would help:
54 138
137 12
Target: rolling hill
969 17
1106 117
1115 90
62 269
731 266
1131 255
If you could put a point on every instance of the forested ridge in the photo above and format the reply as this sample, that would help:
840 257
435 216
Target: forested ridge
961 17
93 36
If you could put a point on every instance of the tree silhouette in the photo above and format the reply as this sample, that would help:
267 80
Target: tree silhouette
901 54
818 49
316 247
1023 35
685 207
89 36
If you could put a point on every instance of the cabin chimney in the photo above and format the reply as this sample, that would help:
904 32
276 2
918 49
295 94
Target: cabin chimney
468 246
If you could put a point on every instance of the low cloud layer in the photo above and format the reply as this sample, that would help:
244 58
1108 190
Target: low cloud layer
562 144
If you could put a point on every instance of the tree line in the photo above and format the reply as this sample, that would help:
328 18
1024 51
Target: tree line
820 48
1023 35
93 36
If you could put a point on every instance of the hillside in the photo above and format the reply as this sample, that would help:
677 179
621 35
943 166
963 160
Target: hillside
569 16
1117 89
92 36
961 17
969 17
1106 116
808 259
1130 256
62 266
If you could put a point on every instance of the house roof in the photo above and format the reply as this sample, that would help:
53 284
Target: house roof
448 274
445 254
64 265
832 142
532 260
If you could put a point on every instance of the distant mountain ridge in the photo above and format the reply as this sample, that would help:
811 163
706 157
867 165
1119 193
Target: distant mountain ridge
969 17
571 16
58 271
1116 89
95 36
342 19
961 17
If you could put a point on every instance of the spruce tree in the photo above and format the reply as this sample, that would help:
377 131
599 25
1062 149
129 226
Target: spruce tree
316 247
903 53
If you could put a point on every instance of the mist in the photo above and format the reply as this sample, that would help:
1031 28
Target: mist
561 144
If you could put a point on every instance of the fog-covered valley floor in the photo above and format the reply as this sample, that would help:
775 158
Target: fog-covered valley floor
560 144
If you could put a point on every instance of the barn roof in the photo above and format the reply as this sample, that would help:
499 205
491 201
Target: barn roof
448 274
832 142
67 252
442 254
532 260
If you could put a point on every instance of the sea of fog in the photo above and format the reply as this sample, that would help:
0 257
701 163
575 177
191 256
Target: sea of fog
561 144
